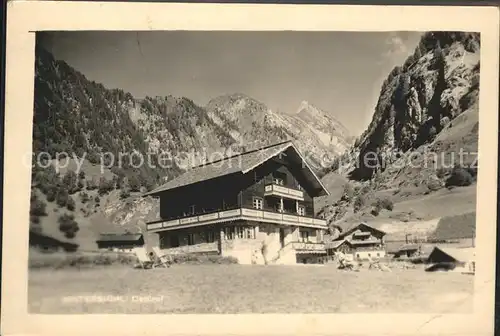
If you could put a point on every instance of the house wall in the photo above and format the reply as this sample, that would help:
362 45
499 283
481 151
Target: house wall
179 202
253 184
246 249
363 255
197 239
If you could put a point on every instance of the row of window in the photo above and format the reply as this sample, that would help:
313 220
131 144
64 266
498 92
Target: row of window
258 203
241 232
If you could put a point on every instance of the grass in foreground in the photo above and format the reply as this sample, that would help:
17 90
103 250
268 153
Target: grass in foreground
248 289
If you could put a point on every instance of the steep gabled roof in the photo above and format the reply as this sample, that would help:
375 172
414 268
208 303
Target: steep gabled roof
241 163
458 254
112 237
334 244
354 228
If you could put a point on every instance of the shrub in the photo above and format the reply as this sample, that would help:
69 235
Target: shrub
37 207
434 184
441 172
92 184
68 225
375 211
124 194
459 177
70 181
84 197
70 205
81 175
359 202
97 199
62 197
105 186
134 183
348 192
384 203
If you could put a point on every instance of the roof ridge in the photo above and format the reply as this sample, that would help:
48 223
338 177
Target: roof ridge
241 154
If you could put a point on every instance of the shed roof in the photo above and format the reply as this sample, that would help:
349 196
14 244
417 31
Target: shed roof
243 163
113 237
356 227
459 254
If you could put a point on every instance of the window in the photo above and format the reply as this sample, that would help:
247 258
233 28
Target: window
239 232
279 207
191 240
279 178
278 181
301 210
250 233
229 233
210 236
378 254
257 203
304 236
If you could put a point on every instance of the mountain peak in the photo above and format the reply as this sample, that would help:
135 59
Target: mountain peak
305 105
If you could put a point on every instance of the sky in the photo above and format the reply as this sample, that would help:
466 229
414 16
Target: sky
338 72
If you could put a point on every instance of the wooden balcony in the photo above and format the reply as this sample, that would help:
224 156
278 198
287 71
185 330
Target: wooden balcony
281 191
238 214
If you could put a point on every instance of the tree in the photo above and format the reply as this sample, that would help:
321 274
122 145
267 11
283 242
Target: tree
84 197
69 181
134 183
37 207
68 225
105 186
359 202
417 54
62 197
70 204
459 177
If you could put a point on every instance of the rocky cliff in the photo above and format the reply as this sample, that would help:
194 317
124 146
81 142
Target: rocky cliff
422 138
419 99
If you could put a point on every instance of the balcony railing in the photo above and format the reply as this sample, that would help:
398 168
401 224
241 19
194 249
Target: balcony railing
238 214
277 190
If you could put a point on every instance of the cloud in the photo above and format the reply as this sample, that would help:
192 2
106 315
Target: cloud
396 45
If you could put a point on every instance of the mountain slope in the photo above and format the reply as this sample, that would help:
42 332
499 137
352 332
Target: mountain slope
426 115
108 133
317 134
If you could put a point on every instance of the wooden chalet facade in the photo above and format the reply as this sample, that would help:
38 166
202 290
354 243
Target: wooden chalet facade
361 242
256 206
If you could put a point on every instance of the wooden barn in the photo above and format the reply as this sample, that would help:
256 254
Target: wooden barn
256 206
46 243
452 259
405 251
120 242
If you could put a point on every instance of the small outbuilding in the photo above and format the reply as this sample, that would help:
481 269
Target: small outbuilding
47 243
120 242
452 259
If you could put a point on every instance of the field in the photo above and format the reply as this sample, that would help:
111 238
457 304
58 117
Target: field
247 289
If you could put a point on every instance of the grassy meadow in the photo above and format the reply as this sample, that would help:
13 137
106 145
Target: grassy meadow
246 289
